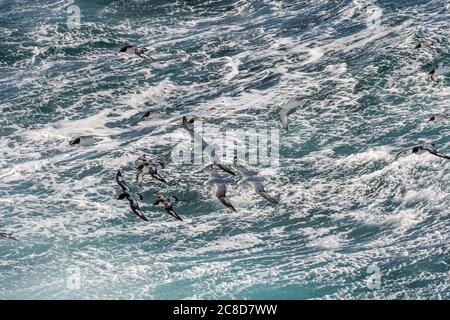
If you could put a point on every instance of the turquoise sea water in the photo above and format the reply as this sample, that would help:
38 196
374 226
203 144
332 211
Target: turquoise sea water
348 213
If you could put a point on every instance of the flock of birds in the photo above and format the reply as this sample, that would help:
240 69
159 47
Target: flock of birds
151 167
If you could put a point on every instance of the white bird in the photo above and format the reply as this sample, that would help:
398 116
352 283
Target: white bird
149 113
256 182
438 71
287 109
424 44
219 184
210 150
84 140
439 117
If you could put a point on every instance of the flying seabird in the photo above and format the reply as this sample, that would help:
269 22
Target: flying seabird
7 235
439 117
424 43
132 197
133 50
439 70
148 166
167 203
219 185
82 140
256 182
147 114
429 148
287 109
209 149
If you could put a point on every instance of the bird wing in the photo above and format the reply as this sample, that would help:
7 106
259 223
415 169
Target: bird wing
284 120
121 182
158 177
441 69
7 235
220 190
437 154
257 185
224 168
401 152
287 110
134 205
170 211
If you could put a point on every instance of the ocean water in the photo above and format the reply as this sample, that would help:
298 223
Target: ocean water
351 223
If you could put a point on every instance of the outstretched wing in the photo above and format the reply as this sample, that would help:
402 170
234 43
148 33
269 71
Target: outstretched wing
123 195
134 205
220 190
267 197
226 202
224 168
139 196
441 69
7 235
401 152
159 178
138 212
437 154
287 110
170 211
241 169
125 47
121 182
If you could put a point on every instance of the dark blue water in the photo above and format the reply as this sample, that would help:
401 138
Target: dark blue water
348 213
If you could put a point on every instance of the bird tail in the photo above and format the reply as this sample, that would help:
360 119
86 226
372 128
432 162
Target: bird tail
227 203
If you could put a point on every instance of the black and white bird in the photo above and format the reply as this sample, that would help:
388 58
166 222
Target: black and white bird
220 189
256 182
148 166
423 148
439 117
287 109
210 150
7 235
167 204
439 70
132 197
133 50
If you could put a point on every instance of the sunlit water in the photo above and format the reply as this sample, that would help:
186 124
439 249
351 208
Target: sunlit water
345 205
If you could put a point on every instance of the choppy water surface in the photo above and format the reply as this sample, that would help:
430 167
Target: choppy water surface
344 204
